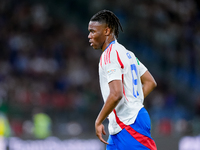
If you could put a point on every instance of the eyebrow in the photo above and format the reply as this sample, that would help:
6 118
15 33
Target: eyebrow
90 30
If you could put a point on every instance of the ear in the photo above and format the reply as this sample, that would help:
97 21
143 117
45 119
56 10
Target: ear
107 31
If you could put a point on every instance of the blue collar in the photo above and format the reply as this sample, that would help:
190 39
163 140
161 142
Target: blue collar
113 42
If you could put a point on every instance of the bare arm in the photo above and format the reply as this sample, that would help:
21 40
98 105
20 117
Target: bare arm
148 83
110 104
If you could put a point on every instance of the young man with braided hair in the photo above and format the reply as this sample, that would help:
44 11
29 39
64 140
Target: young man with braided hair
124 82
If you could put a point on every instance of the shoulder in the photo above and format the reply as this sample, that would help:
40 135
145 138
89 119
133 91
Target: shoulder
121 51
118 46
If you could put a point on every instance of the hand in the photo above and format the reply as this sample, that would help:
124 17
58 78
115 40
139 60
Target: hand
99 130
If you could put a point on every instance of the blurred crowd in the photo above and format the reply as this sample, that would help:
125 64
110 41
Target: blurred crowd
47 66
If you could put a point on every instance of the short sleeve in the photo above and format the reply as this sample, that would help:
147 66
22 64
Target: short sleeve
113 72
113 69
141 67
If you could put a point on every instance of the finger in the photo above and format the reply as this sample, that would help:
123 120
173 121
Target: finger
102 140
104 132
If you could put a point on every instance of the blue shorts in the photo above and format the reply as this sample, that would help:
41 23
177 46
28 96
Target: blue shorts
135 136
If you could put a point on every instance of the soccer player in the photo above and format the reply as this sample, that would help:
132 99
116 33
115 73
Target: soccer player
124 82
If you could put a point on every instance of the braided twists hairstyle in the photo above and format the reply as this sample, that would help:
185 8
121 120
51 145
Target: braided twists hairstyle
108 17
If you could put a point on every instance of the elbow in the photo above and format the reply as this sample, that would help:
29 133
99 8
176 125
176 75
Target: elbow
119 97
116 96
154 84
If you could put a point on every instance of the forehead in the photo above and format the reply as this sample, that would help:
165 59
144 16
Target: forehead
96 24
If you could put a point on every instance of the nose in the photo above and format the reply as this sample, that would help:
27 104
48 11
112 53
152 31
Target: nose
89 36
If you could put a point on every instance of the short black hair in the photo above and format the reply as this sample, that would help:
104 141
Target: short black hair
108 17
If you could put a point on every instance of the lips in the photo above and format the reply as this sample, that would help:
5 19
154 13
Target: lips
91 44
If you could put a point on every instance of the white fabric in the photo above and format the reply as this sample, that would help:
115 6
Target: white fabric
111 69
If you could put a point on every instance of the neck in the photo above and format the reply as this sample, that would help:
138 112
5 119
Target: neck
107 42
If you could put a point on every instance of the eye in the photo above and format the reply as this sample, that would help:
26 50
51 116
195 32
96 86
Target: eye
91 31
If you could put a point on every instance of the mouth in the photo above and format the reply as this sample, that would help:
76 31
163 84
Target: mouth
91 44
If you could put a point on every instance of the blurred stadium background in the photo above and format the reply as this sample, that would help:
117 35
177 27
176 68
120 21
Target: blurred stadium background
49 75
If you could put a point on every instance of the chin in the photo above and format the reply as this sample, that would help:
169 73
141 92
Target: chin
95 48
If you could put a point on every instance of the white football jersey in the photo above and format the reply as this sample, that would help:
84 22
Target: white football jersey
118 63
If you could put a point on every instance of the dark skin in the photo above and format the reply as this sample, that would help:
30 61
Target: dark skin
100 36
